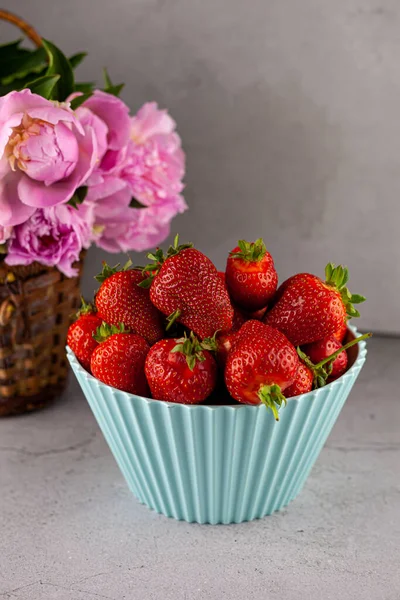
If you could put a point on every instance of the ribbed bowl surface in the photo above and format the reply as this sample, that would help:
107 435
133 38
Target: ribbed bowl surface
216 464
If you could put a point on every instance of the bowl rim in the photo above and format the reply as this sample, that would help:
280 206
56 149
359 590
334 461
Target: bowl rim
357 364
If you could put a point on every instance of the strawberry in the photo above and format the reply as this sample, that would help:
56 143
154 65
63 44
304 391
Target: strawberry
321 363
181 370
260 366
340 334
318 351
303 382
258 315
121 300
309 309
250 275
185 285
240 315
119 359
80 334
224 343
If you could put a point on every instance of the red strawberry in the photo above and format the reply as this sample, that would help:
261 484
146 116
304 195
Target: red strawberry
258 315
250 275
318 351
80 334
119 360
309 309
303 382
224 342
121 300
340 334
321 362
185 285
260 366
181 370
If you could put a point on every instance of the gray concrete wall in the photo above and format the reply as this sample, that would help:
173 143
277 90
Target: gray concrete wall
289 112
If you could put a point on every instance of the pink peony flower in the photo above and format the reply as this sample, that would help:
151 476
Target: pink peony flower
115 115
52 236
46 153
139 229
5 234
149 168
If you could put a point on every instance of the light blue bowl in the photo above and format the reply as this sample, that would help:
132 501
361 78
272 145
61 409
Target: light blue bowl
216 464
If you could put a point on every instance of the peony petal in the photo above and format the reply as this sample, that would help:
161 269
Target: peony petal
12 210
89 119
150 121
34 193
115 115
114 209
108 186
6 129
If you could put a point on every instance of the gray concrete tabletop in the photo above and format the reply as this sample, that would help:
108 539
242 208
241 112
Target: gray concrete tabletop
71 530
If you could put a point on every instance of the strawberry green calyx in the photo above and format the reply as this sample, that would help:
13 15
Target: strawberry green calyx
210 343
250 251
104 331
272 397
108 271
323 369
158 257
192 348
337 277
86 308
172 318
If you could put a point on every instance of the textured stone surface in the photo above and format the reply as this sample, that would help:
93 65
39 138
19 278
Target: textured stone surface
289 111
71 530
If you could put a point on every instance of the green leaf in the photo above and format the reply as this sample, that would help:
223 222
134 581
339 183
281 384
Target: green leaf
59 65
76 59
272 397
25 64
10 56
105 330
250 251
86 308
43 85
136 204
11 49
357 299
146 283
78 197
110 88
108 271
79 100
337 277
86 87
107 80
172 317
20 84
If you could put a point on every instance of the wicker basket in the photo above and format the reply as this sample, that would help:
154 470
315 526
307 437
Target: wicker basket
36 306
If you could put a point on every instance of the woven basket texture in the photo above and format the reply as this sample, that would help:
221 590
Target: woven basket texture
37 304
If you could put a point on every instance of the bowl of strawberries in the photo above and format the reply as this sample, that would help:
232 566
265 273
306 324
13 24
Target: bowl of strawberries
216 391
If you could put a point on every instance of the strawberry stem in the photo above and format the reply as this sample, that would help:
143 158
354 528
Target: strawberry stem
85 309
192 348
210 343
332 357
172 318
158 257
337 277
108 271
272 397
104 331
250 251
323 369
